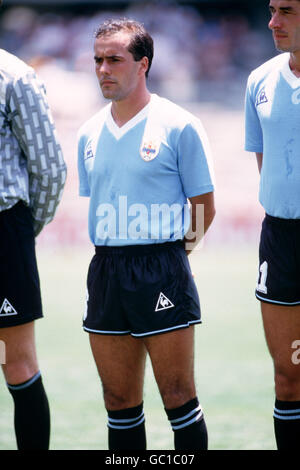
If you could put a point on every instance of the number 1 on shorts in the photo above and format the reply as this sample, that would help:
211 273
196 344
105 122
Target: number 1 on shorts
261 286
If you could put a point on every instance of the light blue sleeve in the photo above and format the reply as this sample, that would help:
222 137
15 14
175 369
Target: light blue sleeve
253 131
84 188
195 160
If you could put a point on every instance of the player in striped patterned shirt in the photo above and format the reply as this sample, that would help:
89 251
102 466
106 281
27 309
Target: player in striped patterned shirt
32 177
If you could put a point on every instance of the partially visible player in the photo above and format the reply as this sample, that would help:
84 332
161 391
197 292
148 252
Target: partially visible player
32 177
273 133
140 159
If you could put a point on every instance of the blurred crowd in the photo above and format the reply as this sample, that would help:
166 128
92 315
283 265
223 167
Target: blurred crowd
199 62
197 52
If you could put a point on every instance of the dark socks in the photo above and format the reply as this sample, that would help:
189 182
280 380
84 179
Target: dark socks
32 416
126 429
287 424
189 427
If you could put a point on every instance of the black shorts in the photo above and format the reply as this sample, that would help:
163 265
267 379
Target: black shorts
140 290
20 298
279 261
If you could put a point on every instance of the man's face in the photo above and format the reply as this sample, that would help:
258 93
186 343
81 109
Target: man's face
117 71
285 24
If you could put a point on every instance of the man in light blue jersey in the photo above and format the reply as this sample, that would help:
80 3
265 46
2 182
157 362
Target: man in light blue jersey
273 133
140 160
32 177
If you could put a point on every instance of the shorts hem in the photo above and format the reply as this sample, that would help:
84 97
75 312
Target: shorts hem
141 335
106 332
277 302
166 330
21 322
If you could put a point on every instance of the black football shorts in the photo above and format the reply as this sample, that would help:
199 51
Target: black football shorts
140 290
279 262
20 298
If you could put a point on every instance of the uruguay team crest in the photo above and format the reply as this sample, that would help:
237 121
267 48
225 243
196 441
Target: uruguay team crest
149 150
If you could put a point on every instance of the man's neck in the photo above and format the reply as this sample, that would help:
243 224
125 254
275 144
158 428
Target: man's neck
295 63
124 110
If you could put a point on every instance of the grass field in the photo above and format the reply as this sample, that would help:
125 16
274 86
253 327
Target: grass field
233 370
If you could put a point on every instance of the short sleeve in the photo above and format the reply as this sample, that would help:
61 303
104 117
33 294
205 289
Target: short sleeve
253 131
84 188
195 160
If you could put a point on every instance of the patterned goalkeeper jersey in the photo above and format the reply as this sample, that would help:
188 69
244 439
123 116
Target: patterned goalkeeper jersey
32 168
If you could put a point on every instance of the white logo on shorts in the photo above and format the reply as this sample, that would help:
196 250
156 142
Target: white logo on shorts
163 303
7 309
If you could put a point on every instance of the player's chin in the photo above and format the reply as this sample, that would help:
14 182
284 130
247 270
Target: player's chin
107 93
281 47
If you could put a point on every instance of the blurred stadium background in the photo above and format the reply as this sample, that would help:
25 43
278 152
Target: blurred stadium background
204 51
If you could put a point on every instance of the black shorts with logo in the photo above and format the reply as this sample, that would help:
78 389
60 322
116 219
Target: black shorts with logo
140 290
279 261
20 298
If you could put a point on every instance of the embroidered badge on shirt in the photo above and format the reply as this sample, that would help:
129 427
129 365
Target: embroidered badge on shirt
261 98
149 150
88 151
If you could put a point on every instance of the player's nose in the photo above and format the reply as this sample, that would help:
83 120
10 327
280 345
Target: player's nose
275 21
103 68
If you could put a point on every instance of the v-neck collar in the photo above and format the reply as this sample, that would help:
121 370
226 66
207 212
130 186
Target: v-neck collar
119 132
288 75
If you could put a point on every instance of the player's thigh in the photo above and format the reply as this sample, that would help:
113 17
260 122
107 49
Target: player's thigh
20 350
120 361
282 330
172 358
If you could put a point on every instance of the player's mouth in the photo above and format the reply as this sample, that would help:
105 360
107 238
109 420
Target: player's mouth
278 35
107 82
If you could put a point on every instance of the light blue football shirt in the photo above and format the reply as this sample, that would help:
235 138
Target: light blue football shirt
272 114
139 176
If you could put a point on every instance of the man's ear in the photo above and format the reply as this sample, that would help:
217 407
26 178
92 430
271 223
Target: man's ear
144 64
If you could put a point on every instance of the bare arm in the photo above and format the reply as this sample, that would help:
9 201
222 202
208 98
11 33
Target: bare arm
259 158
202 214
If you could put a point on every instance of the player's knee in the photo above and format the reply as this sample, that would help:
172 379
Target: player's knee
287 385
118 401
18 370
176 393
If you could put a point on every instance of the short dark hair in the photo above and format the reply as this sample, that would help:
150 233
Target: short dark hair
141 44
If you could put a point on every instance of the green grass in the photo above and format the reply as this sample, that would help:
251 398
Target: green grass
233 371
